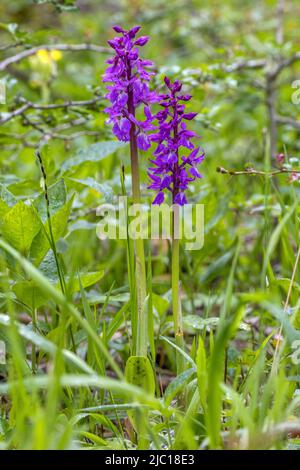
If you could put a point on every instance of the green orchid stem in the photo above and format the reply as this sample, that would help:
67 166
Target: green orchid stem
176 303
140 348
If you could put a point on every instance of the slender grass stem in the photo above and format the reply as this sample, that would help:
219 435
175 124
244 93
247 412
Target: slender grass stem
51 236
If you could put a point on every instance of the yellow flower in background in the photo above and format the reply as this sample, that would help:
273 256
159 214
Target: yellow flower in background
46 57
43 56
56 55
44 68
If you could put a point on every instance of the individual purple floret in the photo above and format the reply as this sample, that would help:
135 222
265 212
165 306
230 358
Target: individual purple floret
176 157
129 77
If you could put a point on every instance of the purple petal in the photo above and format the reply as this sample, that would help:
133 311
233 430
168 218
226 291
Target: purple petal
142 41
118 29
133 31
167 82
143 142
166 181
194 172
184 97
159 199
180 199
189 116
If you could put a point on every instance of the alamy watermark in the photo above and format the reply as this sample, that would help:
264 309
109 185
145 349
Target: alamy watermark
135 221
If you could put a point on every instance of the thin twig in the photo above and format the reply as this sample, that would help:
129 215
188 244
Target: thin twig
256 64
52 47
10 46
47 134
288 121
253 64
252 171
65 105
15 113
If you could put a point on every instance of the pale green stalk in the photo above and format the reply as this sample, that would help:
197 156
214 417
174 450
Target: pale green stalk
140 348
176 303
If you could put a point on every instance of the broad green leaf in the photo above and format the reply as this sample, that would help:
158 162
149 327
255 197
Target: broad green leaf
139 372
199 323
7 200
20 225
40 245
4 208
87 280
7 196
30 294
176 385
113 299
101 188
57 194
57 296
160 304
93 153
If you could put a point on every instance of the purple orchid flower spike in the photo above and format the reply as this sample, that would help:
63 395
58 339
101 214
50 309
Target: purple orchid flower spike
129 77
170 170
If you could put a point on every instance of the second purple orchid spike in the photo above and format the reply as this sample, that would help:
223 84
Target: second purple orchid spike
176 157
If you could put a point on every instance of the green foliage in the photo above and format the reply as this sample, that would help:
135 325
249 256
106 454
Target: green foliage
68 314
20 225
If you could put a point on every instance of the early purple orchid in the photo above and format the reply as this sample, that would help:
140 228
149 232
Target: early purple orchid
171 171
129 77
